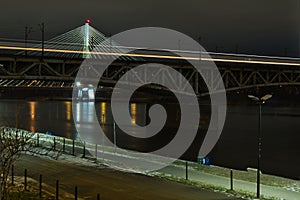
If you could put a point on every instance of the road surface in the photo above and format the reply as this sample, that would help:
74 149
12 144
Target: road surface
111 184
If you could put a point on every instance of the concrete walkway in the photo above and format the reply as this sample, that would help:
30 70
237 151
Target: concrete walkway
111 184
267 191
114 158
178 170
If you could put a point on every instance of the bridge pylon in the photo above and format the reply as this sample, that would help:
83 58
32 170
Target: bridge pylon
86 48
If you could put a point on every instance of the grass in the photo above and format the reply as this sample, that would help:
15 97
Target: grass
242 175
235 193
17 192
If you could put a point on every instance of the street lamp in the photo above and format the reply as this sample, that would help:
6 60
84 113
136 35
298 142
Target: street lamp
42 29
260 102
28 30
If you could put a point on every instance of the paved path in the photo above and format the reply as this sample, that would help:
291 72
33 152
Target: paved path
270 191
117 180
109 183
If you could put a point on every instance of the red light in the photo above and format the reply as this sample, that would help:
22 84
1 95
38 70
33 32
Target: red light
88 21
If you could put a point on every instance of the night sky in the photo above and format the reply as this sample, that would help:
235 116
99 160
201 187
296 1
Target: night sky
267 27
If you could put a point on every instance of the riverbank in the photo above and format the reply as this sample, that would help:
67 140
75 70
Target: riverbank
201 180
213 178
93 178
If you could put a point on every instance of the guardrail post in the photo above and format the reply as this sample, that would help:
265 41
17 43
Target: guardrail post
186 171
12 174
96 151
83 150
231 179
38 140
64 145
57 187
73 148
22 139
76 193
25 179
54 144
40 186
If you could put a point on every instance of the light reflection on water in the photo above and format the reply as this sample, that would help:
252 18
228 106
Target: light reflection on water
68 110
103 112
32 105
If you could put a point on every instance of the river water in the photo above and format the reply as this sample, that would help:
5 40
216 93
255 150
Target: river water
236 148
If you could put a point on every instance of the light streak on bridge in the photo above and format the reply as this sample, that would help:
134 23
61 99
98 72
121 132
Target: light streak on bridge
215 56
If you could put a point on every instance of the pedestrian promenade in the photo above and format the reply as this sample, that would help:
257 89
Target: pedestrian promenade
242 185
271 186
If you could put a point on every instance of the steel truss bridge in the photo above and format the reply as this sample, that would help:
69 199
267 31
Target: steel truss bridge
55 63
238 71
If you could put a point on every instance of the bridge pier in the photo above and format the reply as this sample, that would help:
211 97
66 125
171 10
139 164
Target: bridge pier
85 93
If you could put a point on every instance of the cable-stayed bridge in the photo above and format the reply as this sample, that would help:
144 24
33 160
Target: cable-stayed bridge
55 63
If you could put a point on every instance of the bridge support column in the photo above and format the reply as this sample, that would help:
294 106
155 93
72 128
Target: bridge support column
86 94
86 44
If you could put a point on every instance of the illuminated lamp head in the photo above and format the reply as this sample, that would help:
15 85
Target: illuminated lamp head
88 21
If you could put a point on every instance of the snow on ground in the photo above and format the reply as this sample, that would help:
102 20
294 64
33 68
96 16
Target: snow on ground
105 153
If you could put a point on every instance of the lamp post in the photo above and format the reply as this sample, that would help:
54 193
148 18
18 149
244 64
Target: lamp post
27 32
42 29
260 102
115 139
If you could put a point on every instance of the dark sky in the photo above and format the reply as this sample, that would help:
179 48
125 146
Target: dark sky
268 27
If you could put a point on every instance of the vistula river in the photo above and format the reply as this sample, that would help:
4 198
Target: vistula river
236 148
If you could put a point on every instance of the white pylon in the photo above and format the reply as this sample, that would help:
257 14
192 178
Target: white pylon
86 45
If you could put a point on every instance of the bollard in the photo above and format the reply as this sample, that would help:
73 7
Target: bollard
84 150
73 147
98 196
96 151
40 186
231 179
64 145
12 174
56 194
38 139
76 193
54 144
22 139
186 171
25 179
